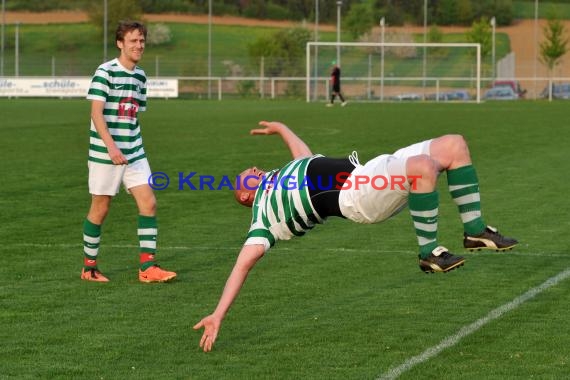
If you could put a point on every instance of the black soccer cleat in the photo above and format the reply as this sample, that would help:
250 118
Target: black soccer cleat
489 239
440 260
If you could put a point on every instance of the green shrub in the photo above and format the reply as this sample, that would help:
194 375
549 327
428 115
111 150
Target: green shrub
246 88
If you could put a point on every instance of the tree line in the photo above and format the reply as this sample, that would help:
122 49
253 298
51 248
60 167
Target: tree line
398 12
359 18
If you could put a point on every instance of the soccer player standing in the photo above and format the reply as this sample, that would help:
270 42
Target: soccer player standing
116 154
335 85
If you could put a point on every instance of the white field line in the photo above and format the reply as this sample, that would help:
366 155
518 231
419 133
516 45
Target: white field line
188 248
473 327
280 247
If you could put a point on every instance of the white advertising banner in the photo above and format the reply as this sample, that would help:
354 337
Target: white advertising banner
161 88
64 87
44 87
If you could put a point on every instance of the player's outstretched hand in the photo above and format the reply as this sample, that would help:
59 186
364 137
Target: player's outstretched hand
270 128
211 326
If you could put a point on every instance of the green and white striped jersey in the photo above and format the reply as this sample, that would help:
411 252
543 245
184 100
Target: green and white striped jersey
124 94
282 207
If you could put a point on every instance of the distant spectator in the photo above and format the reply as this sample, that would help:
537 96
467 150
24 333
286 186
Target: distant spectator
335 85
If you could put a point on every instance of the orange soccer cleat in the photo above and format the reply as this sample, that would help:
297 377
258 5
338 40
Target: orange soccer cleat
155 274
93 274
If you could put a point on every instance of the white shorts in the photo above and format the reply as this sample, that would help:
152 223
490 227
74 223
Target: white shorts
105 179
386 192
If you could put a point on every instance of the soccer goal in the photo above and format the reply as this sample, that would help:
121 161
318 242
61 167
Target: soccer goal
392 71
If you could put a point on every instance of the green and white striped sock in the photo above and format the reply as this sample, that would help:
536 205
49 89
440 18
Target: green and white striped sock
424 211
147 232
464 189
91 241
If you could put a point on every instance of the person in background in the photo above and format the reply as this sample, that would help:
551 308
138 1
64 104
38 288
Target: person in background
335 85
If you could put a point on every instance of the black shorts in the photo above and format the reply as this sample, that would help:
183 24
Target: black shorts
326 178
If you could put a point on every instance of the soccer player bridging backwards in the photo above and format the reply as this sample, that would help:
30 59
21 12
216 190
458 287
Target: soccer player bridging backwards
282 210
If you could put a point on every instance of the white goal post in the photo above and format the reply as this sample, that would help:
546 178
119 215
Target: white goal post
376 71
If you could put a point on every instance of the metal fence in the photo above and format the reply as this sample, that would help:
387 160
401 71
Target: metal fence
239 76
359 89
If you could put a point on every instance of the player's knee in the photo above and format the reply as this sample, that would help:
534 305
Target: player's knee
99 209
423 168
456 146
149 208
147 205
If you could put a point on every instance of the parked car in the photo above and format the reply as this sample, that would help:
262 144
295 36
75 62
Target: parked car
501 93
456 95
411 96
559 91
514 84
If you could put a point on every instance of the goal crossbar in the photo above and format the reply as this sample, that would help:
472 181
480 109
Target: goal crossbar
477 46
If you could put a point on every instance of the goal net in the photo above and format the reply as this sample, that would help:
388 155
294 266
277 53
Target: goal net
392 71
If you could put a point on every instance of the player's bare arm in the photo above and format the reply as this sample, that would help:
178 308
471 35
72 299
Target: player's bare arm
296 146
101 126
248 256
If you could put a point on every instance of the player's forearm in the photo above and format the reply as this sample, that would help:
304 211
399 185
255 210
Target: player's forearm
231 290
103 130
296 146
247 258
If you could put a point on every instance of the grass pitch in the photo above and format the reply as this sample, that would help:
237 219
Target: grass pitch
344 302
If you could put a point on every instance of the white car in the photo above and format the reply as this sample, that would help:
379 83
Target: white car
501 93
402 97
